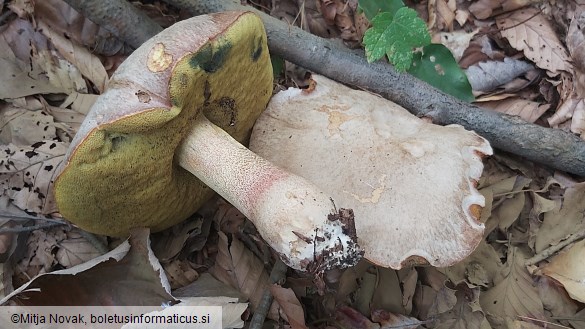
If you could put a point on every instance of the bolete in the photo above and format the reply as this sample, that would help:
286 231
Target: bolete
156 144
410 183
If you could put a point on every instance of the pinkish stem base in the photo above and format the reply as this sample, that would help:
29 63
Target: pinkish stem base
297 220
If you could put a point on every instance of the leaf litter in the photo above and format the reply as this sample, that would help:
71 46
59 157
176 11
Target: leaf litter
52 75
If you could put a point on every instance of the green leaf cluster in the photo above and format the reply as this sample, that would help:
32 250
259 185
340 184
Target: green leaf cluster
403 37
396 36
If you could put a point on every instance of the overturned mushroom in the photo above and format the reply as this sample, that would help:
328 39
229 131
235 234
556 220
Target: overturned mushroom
410 183
133 160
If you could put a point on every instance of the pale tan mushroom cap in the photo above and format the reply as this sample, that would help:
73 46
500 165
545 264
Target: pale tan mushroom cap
410 183
120 171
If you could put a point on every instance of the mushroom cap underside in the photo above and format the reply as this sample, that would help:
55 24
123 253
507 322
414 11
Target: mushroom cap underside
120 170
410 183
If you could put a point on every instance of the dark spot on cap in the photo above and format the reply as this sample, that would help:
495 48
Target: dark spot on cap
48 168
117 141
257 49
206 93
37 145
210 59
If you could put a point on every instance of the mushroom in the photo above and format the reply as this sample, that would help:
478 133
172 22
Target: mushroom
411 184
147 156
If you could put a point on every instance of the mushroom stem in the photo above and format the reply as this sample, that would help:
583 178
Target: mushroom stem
296 219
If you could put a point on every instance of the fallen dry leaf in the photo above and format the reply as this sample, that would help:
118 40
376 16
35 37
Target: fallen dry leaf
237 266
529 31
441 14
555 298
66 21
350 318
483 9
388 320
465 314
563 221
514 295
231 309
480 268
569 269
22 75
487 76
80 57
169 243
75 250
180 273
456 41
290 305
23 127
529 111
27 174
128 275
509 201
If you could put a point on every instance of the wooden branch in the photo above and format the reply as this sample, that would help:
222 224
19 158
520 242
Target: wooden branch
120 18
551 147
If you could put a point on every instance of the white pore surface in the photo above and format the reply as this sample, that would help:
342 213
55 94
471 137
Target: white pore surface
409 182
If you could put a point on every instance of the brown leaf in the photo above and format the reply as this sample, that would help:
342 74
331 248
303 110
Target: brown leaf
569 269
180 273
68 22
27 174
237 266
23 127
442 14
290 305
528 110
529 31
568 218
483 9
515 295
21 66
480 268
350 318
75 250
231 310
555 298
128 275
86 62
465 314
456 41
208 286
489 75
393 320
169 243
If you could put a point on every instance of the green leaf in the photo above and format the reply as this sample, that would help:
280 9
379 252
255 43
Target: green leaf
396 36
437 66
277 66
373 7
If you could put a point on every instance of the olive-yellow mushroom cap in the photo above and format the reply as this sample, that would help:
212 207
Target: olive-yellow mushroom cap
120 171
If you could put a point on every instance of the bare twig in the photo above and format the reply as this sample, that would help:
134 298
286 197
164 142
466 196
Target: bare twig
546 253
20 229
24 217
120 18
552 147
277 274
